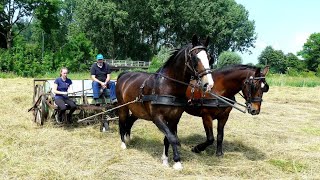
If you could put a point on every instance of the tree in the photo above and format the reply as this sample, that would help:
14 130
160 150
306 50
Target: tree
19 14
227 58
274 58
137 29
224 20
295 63
311 52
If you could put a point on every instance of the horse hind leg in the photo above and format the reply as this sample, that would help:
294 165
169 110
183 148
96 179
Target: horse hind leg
129 123
207 124
220 129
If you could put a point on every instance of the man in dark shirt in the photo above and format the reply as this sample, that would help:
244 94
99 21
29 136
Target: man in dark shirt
100 74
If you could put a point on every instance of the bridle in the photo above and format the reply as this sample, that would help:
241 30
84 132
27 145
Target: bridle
191 61
250 82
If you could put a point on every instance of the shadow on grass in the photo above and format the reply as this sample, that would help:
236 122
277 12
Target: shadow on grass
237 146
155 148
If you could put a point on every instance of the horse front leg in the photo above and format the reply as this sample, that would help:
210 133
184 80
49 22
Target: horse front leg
165 157
220 129
207 124
123 115
129 123
170 134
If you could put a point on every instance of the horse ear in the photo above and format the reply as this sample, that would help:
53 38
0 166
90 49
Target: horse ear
207 41
195 40
265 70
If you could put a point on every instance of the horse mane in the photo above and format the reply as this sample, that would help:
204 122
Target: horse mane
231 68
176 52
122 73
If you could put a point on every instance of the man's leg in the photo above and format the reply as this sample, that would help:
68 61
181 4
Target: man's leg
112 87
96 90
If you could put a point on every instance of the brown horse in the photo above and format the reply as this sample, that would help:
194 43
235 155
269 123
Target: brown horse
161 95
227 83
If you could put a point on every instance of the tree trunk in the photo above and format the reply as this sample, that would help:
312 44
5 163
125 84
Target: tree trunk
9 38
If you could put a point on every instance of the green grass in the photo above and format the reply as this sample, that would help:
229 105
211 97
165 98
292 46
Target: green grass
312 131
272 79
294 81
7 75
289 166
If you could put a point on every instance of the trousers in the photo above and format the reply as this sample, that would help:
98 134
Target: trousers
110 85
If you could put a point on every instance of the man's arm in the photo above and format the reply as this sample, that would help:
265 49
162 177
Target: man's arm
103 85
107 79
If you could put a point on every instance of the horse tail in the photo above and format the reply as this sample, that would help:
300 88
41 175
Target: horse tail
121 74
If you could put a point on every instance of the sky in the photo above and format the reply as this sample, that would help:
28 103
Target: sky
283 24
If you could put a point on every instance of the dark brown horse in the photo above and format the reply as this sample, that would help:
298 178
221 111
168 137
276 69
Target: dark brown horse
227 83
161 95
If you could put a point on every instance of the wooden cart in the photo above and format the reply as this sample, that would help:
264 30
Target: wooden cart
44 108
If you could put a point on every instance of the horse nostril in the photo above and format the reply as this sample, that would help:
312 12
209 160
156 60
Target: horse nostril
205 86
254 112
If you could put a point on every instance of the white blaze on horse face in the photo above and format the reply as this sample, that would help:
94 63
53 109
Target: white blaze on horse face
262 85
202 55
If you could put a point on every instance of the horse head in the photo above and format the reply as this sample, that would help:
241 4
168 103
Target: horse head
253 88
198 62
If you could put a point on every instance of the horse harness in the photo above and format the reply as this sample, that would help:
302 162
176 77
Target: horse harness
159 99
250 82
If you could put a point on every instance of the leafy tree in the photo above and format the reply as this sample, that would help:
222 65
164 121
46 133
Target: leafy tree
137 29
295 63
20 13
311 52
227 58
274 58
103 23
224 20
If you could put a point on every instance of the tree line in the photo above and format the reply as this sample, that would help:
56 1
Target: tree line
39 36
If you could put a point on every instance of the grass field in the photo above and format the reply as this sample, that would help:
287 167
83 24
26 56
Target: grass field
282 142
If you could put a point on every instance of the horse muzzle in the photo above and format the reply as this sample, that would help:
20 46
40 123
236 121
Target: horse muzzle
252 110
207 82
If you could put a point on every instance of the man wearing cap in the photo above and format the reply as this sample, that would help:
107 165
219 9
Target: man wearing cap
100 74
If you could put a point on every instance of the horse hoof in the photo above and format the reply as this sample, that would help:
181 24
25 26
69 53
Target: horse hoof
195 150
123 145
165 161
177 166
127 138
219 154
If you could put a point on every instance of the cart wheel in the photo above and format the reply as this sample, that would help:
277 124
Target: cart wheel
50 110
40 110
104 126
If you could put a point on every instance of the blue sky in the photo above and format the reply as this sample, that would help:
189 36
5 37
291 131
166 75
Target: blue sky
283 24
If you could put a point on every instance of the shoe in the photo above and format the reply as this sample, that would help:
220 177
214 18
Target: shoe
114 101
69 119
96 102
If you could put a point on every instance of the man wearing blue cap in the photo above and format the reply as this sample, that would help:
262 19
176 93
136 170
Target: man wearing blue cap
100 74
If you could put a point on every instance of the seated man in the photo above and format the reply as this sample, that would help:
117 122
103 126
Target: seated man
100 74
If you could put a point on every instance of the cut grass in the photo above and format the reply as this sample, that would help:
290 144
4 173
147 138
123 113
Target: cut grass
282 142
